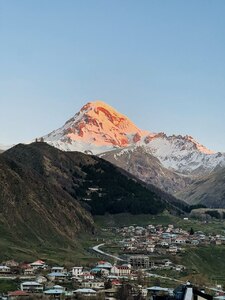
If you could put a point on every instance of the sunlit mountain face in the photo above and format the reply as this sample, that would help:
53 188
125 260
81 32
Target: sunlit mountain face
99 128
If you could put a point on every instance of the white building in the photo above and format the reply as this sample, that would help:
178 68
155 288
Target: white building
77 271
4 270
31 286
38 264
57 269
123 270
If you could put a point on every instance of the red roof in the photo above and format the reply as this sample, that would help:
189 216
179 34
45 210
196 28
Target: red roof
38 262
24 266
18 293
116 282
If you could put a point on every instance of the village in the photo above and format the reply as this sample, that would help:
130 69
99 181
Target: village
143 252
41 281
163 240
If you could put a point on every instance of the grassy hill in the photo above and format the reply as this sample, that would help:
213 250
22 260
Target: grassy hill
48 197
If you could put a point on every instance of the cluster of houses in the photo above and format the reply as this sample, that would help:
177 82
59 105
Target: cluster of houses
163 240
38 278
102 281
105 280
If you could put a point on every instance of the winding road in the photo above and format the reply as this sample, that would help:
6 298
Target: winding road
96 249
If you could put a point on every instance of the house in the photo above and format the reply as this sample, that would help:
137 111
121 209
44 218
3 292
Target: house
164 244
24 266
97 285
195 242
139 261
173 249
102 268
11 263
17 295
116 282
167 263
56 276
109 294
87 276
55 291
104 265
85 292
57 269
77 271
38 264
31 286
180 240
28 271
97 271
150 248
123 270
4 270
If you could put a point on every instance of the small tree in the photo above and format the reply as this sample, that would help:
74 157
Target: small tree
108 284
157 281
125 292
191 232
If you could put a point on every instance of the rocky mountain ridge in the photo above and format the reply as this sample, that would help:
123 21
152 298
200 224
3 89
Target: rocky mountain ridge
99 128
139 162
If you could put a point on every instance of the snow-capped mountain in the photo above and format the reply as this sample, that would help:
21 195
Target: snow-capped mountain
184 155
99 128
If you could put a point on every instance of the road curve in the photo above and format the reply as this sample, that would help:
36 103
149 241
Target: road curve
96 249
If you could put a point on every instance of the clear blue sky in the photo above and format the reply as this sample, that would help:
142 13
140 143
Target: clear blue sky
162 63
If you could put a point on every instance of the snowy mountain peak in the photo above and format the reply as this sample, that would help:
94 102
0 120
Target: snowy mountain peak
198 146
108 118
97 127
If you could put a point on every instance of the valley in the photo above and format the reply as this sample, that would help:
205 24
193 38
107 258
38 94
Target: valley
100 180
131 238
178 165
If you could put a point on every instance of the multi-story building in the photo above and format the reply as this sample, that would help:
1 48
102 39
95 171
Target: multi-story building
139 261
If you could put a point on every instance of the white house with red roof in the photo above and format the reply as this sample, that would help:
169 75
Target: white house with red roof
123 270
38 264
87 276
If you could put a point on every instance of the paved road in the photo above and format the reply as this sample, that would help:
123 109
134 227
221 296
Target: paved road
13 277
96 249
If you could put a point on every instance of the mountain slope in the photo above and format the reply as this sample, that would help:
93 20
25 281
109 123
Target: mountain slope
208 190
32 208
46 195
4 147
143 165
